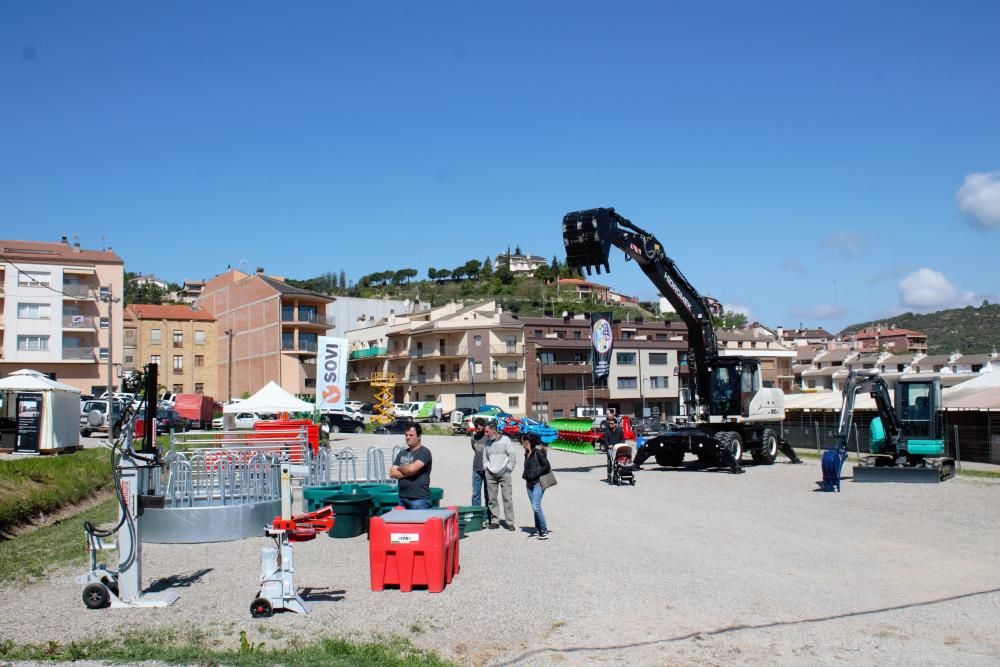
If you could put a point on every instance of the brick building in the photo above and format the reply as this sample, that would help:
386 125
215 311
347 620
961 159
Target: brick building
181 340
272 328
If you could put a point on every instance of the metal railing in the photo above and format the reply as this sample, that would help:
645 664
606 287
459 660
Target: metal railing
78 321
510 348
370 352
78 353
300 346
80 291
309 318
446 351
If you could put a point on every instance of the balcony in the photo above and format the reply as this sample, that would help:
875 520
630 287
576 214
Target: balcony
510 348
301 346
398 354
565 367
463 377
78 322
439 352
370 352
325 321
79 292
78 353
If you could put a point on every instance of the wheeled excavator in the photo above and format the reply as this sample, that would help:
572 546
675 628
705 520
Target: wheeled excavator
727 410
907 443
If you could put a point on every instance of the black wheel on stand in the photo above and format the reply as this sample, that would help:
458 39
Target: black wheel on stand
96 596
261 608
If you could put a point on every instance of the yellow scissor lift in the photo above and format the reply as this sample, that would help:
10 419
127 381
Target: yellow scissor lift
383 397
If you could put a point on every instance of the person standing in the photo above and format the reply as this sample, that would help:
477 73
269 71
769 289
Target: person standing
478 441
499 460
412 468
536 464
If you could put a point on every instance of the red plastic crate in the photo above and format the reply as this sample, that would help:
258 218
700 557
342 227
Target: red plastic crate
410 548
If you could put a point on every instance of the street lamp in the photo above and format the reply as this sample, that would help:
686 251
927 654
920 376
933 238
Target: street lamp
229 366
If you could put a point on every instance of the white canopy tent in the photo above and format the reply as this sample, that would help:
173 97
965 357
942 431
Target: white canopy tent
59 426
270 398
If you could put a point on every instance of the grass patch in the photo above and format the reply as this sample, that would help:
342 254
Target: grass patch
29 556
194 648
41 485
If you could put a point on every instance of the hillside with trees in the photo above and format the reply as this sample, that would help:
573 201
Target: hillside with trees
967 330
473 280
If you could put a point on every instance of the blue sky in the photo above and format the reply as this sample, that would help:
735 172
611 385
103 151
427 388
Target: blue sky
814 163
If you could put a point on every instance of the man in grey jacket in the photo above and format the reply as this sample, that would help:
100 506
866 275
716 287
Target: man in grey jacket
499 460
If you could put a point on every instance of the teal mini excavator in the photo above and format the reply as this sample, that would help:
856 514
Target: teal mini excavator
907 442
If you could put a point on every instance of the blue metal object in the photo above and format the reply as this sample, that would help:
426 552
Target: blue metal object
832 461
525 426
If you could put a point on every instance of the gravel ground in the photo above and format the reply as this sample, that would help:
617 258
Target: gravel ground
688 566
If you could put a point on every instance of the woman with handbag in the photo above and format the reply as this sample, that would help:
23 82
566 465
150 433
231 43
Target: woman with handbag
536 467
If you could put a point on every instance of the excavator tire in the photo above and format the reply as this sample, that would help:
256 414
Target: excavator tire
671 458
731 440
768 451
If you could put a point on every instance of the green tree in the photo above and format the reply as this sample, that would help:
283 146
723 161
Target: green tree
142 293
343 280
472 268
432 273
443 274
517 250
487 269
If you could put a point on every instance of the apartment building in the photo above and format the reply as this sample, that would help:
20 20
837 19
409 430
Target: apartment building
776 358
523 265
648 367
181 340
265 330
460 356
893 340
60 315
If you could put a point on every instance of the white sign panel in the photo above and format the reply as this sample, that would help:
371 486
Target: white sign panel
331 372
404 538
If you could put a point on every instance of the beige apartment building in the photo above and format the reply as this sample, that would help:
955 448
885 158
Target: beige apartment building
459 356
61 312
266 330
181 340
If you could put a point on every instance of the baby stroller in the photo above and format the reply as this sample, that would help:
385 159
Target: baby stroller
622 469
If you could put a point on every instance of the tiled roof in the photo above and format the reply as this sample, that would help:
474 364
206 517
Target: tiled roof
834 355
145 311
932 360
894 359
55 253
286 289
976 359
885 333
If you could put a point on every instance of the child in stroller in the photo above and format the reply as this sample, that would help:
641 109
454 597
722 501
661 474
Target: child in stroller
622 470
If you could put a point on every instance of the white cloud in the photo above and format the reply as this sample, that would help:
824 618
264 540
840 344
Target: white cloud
793 265
848 244
735 308
979 199
926 289
822 311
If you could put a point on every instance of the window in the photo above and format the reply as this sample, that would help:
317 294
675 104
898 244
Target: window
659 382
287 313
553 384
178 362
558 412
199 387
658 359
539 407
514 402
129 333
560 334
538 333
308 314
199 360
627 383
128 358
546 358
105 324
33 278
178 338
32 343
628 335
310 383
178 389
154 359
477 340
154 336
104 354
661 336
577 334
199 337
625 358
33 311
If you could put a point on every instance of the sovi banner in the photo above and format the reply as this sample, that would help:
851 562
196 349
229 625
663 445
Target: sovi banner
603 342
331 372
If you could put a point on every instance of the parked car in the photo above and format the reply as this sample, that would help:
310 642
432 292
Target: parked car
487 412
397 426
169 420
244 420
342 422
100 407
354 405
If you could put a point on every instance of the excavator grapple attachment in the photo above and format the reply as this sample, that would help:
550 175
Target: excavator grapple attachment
587 237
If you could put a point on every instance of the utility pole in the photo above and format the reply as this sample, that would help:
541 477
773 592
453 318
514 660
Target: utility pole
107 298
229 366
